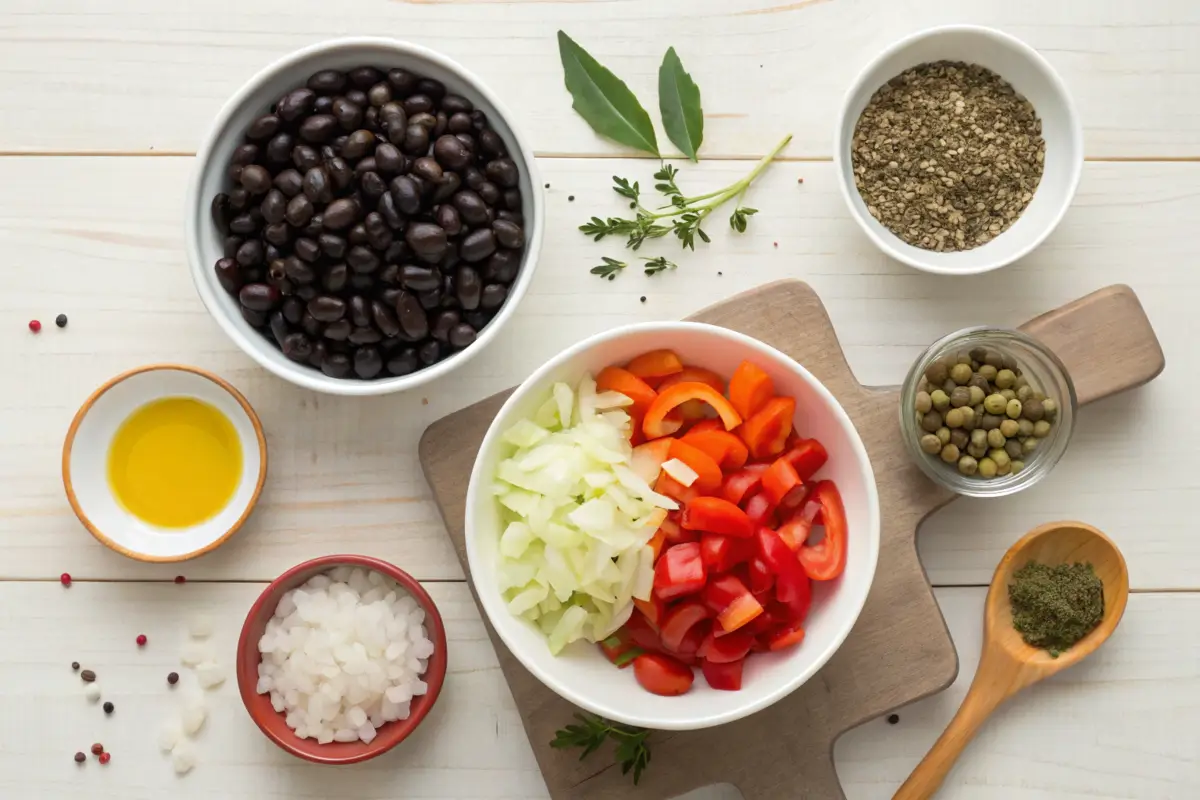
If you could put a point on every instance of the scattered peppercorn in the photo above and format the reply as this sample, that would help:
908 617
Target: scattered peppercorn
800 180
570 198
893 719
87 676
547 186
34 325
61 320
173 678
75 666
720 273
180 579
643 298
80 758
108 708
65 579
141 640
105 758
776 244
97 749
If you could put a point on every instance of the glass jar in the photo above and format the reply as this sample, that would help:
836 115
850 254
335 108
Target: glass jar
1037 364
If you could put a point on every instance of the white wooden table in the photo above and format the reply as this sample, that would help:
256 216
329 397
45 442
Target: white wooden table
103 105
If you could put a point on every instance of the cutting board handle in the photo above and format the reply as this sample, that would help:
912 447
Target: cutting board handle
1105 340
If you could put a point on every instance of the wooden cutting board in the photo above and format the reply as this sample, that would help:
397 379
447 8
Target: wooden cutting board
900 649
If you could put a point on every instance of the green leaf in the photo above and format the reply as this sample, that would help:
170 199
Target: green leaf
679 104
603 99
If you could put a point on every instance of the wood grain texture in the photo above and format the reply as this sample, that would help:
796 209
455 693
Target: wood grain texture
150 76
344 474
897 651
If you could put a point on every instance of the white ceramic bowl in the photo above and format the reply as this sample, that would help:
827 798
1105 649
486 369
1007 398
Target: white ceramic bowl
85 462
204 241
1032 76
581 674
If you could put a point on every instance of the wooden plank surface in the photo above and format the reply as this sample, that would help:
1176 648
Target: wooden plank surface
344 472
146 75
1121 726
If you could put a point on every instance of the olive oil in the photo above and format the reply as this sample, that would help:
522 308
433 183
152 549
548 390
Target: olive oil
175 462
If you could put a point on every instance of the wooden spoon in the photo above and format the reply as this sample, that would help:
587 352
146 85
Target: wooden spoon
1007 665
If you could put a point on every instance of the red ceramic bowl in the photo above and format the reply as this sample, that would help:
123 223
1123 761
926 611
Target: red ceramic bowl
271 722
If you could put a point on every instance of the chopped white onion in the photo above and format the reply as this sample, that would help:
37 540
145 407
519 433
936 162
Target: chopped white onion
680 471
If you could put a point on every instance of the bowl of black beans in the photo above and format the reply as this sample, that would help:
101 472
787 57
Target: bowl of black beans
363 217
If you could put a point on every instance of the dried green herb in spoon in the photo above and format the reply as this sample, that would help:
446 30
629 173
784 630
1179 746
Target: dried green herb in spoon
1055 607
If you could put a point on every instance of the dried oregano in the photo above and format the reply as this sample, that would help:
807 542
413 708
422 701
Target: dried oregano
1055 607
947 155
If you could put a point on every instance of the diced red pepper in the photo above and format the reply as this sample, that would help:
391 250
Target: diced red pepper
708 471
716 515
675 490
656 544
728 598
679 571
761 577
723 677
690 374
807 456
652 608
766 433
750 389
692 641
724 649
655 365
661 674
826 560
655 422
794 532
716 551
794 590
615 379
782 484
679 621
707 425
786 636
641 632
620 650
760 510
722 446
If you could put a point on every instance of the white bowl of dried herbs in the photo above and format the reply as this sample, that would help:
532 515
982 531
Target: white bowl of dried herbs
959 150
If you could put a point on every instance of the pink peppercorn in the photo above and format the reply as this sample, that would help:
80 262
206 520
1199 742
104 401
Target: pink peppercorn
180 579
34 325
65 579
141 640
105 758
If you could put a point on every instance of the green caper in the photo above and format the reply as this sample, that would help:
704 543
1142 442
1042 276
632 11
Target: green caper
994 359
1024 393
1024 428
980 382
1013 448
994 404
995 438
977 451
937 372
960 373
1029 445
931 421
1051 408
968 423
1041 429
1008 361
923 385
976 395
967 465
1005 378
1034 410
1000 457
954 418
924 402
979 437
949 454
940 400
987 468
1008 394
988 372
959 439
1009 428
962 357
931 444
1039 395
961 396
978 353
1021 383
948 385
1013 409
1004 469
990 421
943 435
1017 466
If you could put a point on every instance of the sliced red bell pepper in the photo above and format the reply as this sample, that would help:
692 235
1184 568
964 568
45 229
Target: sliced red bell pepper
794 590
661 674
761 577
655 423
807 456
826 560
691 374
777 556
767 431
679 620
679 571
655 365
615 379
786 636
652 608
656 544
739 485
722 553
692 640
724 649
723 677
716 515
722 446
728 597
760 510
794 532
782 484
707 425
708 471
675 490
641 632
749 389
675 534
620 650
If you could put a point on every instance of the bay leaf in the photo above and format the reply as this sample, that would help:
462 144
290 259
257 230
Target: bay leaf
679 104
603 99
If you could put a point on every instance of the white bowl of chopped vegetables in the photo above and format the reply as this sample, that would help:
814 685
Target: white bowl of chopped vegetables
601 542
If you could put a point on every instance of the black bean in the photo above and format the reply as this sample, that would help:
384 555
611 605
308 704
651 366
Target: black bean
387 210
273 206
442 324
411 316
459 122
515 217
247 223
298 270
292 310
244 154
365 77
449 184
428 241
230 245
416 140
419 279
359 144
462 335
384 319
362 283
425 120
264 127
467 287
255 179
297 346
299 211
396 252
389 275
256 319
228 275
295 104
470 207
447 217
451 153
468 141
320 352
450 260
424 187
417 103
503 171
221 213
390 296
310 325
327 81
389 158
271 253
339 330
348 115
405 194
491 143
379 235
478 120
290 182
428 169
341 214
327 308
402 81
358 235
443 122
362 260
431 299
323 105
366 165
477 245
315 225
305 292
318 128
239 198
340 172
403 362
336 277
307 249
278 326
367 362
512 199
356 96
279 149
489 193
379 94
503 266
332 245
473 177
373 187
250 254
305 157
316 185
493 296
365 336
509 234
258 296
430 352
435 89
337 365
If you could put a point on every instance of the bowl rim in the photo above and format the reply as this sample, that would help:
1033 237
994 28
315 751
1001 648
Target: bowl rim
843 170
303 375
477 488
433 678
86 407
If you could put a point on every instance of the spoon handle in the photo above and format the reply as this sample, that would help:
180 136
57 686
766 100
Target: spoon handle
982 699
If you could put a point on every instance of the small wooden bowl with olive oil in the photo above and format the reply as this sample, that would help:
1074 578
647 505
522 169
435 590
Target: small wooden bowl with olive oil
164 462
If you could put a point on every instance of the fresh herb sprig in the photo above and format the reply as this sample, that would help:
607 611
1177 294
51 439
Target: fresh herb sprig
632 751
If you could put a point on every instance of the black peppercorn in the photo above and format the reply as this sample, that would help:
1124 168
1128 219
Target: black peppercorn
173 678
61 320
108 708
75 666
893 719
